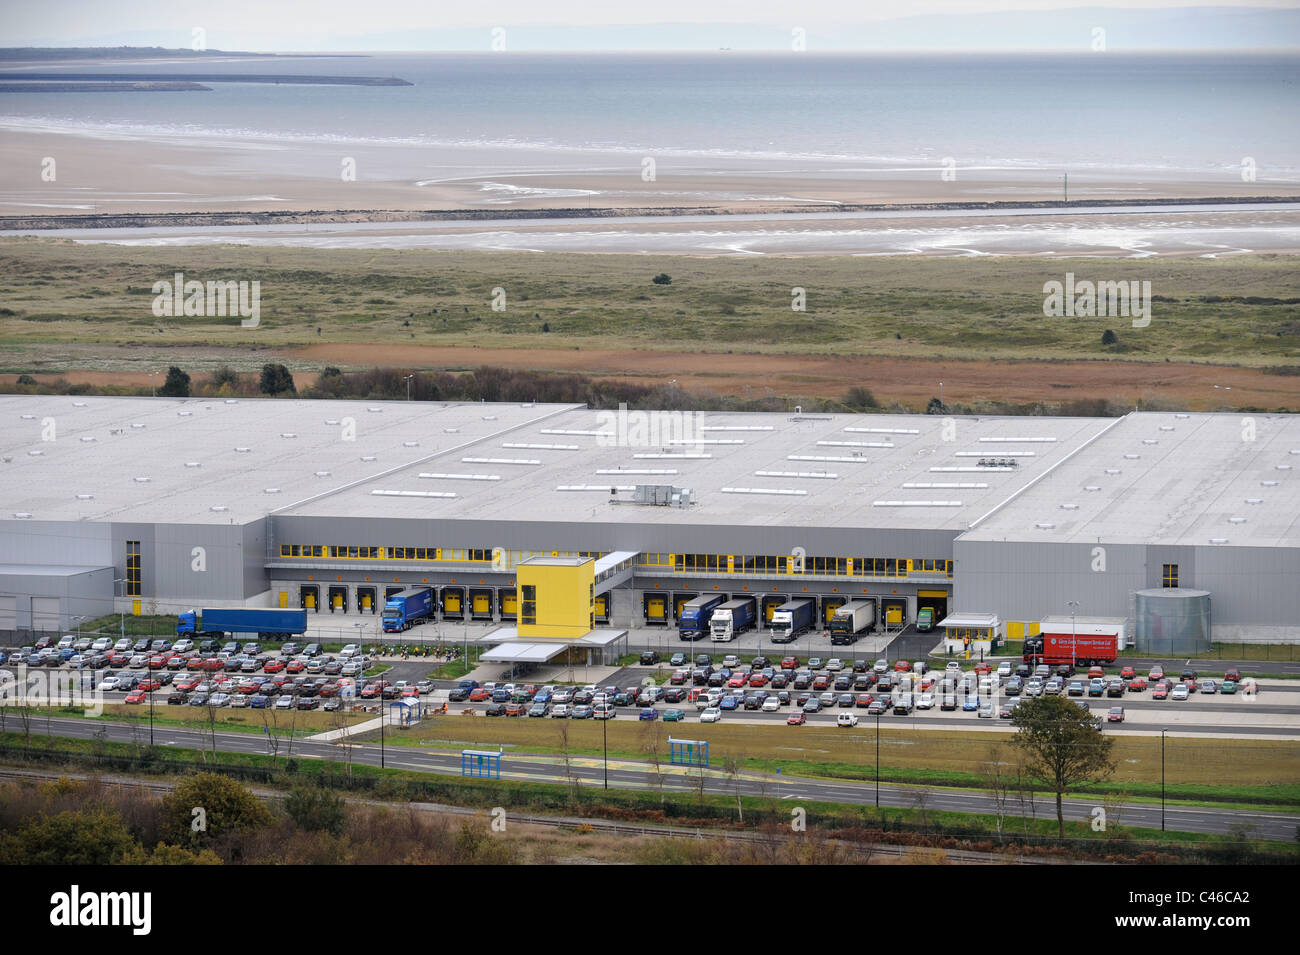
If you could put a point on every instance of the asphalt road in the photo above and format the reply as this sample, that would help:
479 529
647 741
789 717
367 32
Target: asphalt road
623 774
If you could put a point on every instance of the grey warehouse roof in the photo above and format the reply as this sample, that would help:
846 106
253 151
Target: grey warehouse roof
1156 478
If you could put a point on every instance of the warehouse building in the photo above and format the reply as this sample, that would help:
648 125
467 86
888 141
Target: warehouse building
138 505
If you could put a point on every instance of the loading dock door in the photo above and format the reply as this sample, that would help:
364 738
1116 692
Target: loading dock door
770 603
602 608
895 612
308 597
655 608
480 604
284 599
680 600
366 599
453 602
936 600
338 599
829 606
508 603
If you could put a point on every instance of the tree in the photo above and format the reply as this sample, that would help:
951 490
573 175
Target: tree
1063 746
663 278
276 380
936 407
1108 337
225 375
859 398
71 838
26 380
315 809
177 384
226 807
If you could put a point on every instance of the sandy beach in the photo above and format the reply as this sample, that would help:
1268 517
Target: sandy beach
101 174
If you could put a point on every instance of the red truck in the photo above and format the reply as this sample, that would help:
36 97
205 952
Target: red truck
1084 649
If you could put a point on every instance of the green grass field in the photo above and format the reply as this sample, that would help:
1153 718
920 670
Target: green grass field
1237 770
1237 310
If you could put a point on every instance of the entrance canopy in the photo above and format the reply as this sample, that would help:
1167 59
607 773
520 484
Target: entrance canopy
518 652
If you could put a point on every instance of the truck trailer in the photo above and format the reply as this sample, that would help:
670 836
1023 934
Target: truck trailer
792 618
272 624
852 620
406 609
732 618
696 615
1082 649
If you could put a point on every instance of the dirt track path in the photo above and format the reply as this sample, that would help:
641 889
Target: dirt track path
910 381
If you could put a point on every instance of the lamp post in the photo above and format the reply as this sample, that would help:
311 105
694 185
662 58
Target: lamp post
877 760
604 732
1162 779
1074 639
408 386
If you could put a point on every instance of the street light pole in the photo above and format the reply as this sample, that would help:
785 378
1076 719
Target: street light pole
408 386
604 732
877 760
1162 779
1074 638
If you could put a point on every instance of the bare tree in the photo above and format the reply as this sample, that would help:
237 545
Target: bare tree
340 723
998 783
653 748
732 765
921 802
270 724
569 775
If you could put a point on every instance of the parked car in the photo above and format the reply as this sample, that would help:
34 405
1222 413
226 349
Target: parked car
1180 692
711 715
674 716
1209 686
1115 714
796 719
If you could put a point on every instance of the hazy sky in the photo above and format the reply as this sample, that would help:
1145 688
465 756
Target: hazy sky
432 24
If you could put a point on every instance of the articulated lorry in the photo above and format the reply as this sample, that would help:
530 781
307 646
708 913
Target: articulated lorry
1083 649
696 615
404 610
792 618
272 624
851 620
733 617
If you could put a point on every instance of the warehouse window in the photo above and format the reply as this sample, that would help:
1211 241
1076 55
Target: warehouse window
528 606
1169 575
133 568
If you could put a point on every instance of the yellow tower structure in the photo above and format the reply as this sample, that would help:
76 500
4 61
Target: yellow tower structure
557 597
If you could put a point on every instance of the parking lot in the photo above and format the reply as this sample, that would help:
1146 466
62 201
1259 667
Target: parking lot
228 675
689 685
850 691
